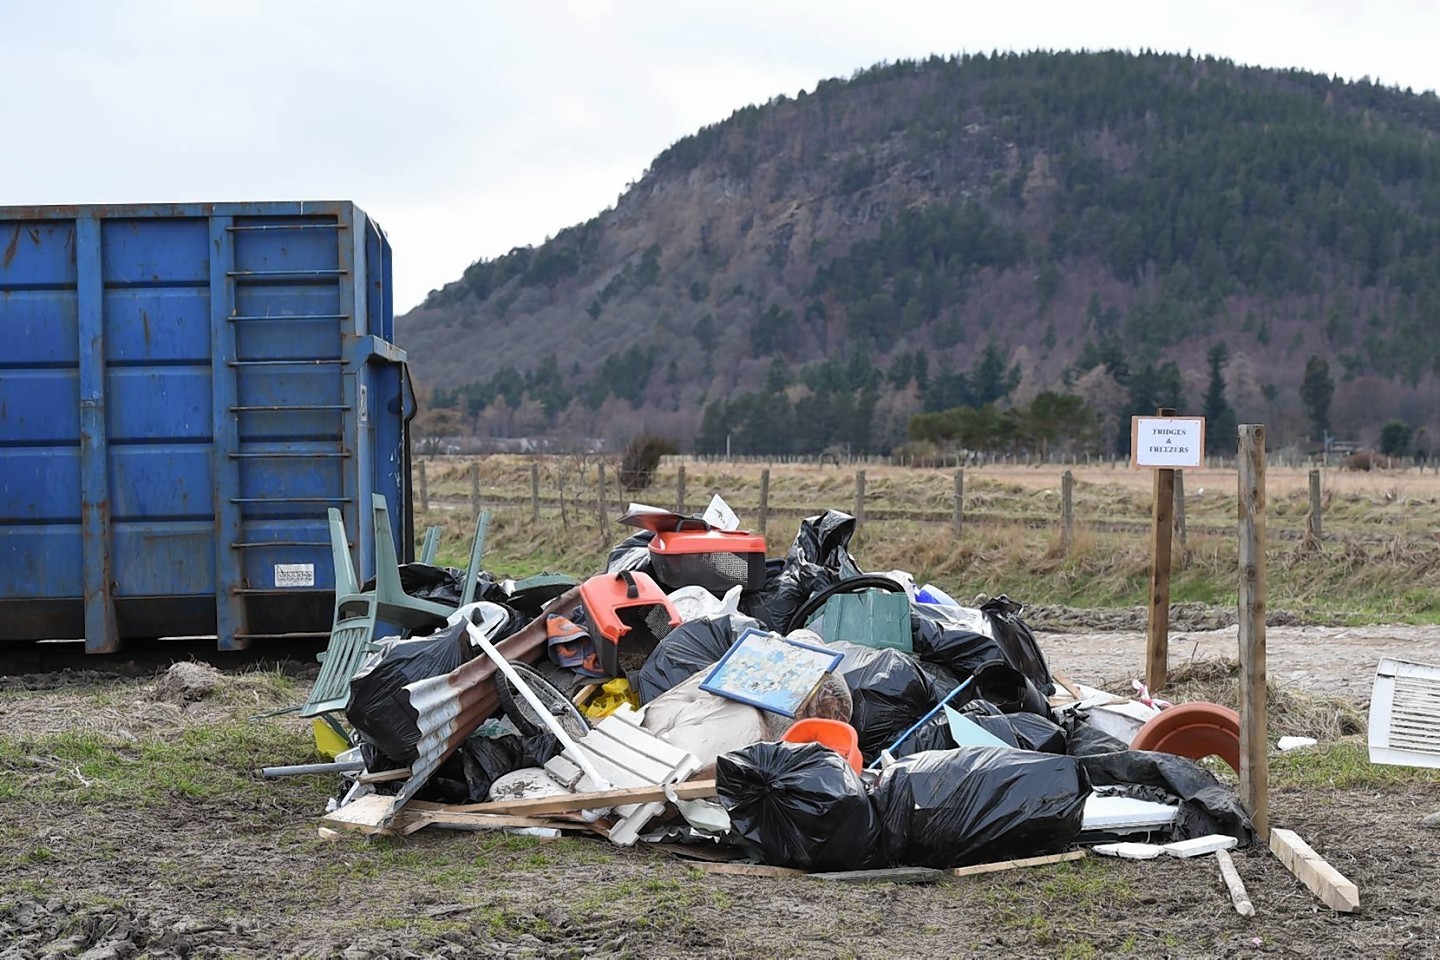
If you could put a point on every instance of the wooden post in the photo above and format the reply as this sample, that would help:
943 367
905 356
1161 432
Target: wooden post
424 489
475 489
1312 522
764 499
1180 509
1254 729
859 499
534 492
1067 511
680 490
600 504
1157 634
959 520
1234 884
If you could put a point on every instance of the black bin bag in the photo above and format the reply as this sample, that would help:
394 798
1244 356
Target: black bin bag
799 805
1021 648
818 558
689 648
380 708
946 641
632 553
950 808
1028 731
1206 805
890 691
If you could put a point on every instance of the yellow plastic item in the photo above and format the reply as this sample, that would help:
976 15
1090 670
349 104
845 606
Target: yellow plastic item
329 742
609 697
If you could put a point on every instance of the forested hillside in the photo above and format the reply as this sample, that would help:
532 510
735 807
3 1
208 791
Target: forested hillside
1040 244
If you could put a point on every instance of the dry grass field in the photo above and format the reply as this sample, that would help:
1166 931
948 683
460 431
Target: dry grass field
1378 561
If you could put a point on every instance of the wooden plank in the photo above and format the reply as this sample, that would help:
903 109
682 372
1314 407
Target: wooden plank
1254 724
1068 685
982 868
1234 884
483 821
692 790
749 870
1311 869
384 776
364 815
890 875
700 851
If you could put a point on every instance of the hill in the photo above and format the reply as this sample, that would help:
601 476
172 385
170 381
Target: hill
1126 229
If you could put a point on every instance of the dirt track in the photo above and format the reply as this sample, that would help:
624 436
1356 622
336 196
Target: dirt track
1330 660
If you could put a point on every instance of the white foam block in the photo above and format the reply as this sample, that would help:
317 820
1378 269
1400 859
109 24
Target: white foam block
1129 851
1200 845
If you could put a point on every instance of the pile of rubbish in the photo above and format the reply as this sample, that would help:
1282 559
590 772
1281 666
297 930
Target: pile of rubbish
796 712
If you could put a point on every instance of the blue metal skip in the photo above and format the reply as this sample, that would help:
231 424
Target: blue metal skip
184 391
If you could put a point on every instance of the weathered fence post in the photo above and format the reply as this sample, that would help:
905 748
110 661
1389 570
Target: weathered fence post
1254 740
475 489
604 510
1067 511
959 519
424 489
680 490
1157 646
534 492
1312 522
859 499
764 499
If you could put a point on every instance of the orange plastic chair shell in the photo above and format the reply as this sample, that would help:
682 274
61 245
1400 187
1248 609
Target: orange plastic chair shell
835 734
1194 730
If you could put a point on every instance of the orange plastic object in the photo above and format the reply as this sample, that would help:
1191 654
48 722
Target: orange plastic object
835 734
628 615
714 559
1194 730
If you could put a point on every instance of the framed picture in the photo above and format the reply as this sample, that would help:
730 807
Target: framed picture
771 672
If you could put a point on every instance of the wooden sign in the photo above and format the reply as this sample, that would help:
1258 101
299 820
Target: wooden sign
1167 442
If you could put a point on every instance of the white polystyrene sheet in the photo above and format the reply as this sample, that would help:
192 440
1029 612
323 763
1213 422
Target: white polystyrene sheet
1126 815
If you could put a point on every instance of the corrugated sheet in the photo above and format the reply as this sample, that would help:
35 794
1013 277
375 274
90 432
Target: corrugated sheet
452 707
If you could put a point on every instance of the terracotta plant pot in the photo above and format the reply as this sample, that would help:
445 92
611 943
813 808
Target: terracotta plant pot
1194 730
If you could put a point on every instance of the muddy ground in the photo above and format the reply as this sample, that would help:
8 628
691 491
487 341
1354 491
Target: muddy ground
245 875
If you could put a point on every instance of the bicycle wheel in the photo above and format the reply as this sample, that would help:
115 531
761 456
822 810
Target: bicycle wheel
523 715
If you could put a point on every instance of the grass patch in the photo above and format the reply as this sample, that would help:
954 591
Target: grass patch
1345 765
206 762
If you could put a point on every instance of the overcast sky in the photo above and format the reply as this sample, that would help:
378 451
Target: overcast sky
469 128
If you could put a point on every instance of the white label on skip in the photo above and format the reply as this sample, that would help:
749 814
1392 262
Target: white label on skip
294 574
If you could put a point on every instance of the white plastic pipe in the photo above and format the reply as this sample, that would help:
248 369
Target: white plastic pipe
503 665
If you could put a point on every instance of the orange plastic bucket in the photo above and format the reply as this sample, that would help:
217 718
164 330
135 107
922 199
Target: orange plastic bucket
835 734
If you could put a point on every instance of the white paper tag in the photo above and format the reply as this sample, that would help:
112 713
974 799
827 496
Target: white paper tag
720 516
294 574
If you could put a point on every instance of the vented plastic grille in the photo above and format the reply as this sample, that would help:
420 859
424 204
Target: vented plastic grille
716 572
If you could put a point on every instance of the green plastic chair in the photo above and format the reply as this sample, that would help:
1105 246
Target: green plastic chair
352 635
430 545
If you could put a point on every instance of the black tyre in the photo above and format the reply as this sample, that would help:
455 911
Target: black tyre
867 581
523 715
